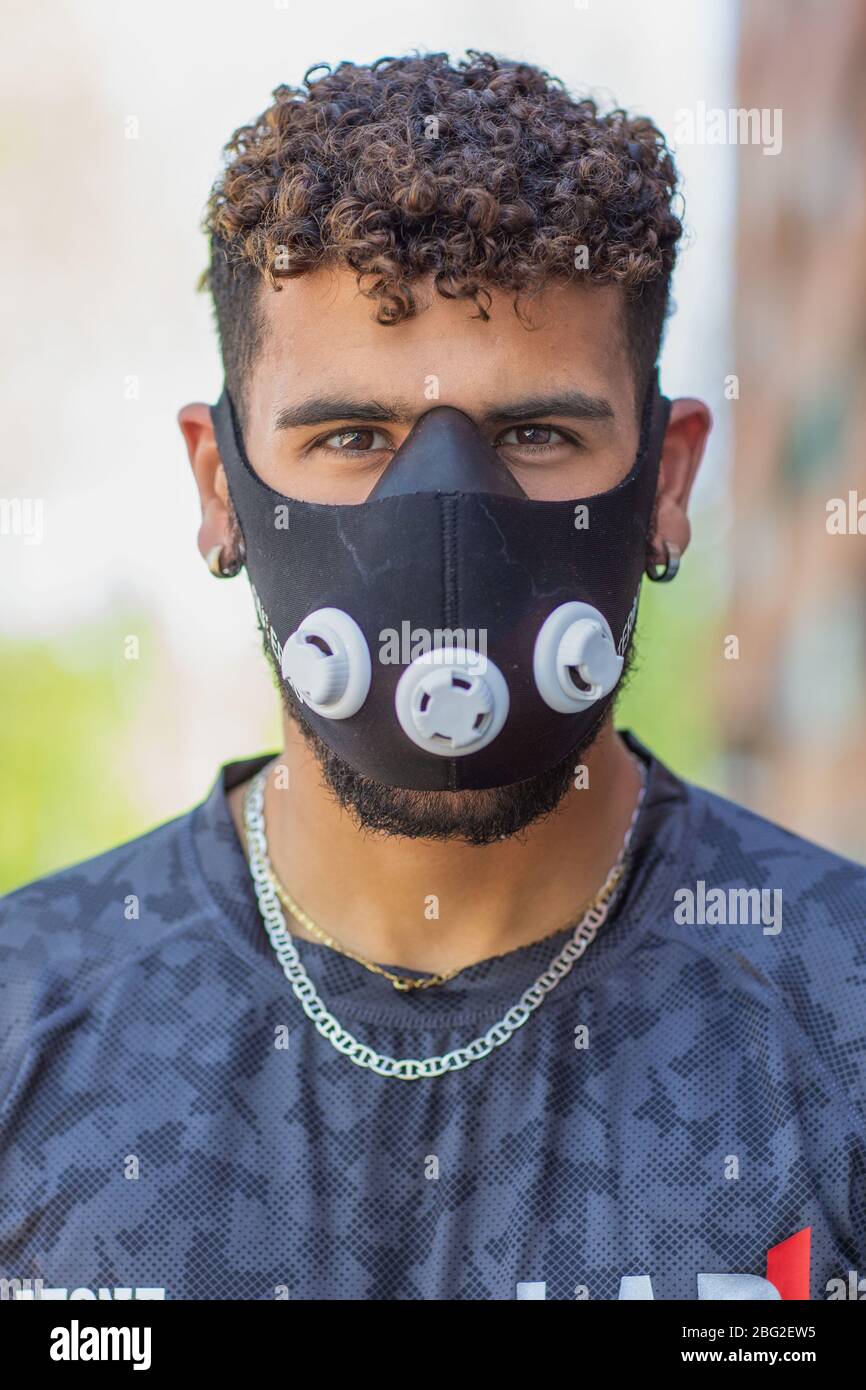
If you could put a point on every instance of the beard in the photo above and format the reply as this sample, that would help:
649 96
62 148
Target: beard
473 817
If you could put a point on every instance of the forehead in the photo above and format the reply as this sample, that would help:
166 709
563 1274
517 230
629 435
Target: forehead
320 329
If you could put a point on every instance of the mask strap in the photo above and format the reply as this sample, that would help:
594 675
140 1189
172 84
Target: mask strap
227 433
656 413
660 410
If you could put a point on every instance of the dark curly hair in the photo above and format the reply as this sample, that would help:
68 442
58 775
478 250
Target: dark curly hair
482 174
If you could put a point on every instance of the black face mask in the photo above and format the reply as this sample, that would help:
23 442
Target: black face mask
448 632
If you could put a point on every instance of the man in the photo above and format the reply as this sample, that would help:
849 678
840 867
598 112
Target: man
462 994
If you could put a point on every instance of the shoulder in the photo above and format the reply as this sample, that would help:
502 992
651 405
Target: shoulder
756 898
729 842
65 937
143 880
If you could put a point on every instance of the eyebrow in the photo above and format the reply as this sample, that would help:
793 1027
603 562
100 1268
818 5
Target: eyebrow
577 405
319 410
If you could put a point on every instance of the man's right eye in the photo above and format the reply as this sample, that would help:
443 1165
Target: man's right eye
358 441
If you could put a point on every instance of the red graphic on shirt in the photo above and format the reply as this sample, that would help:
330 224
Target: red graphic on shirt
788 1265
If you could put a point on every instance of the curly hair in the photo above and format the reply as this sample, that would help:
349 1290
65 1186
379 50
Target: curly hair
484 174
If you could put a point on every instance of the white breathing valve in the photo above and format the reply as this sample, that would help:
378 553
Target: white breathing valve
454 708
575 661
451 701
327 663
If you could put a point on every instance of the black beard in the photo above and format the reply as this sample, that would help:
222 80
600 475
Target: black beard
473 817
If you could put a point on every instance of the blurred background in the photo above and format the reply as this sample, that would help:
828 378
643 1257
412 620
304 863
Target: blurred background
127 675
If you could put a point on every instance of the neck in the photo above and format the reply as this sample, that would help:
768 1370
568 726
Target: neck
438 906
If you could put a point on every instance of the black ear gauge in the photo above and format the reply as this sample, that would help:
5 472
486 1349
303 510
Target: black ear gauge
670 564
218 568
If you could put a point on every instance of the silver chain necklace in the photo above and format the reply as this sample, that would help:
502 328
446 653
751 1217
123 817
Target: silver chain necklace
407 1069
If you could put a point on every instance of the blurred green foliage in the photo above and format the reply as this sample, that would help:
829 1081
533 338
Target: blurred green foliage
68 711
669 700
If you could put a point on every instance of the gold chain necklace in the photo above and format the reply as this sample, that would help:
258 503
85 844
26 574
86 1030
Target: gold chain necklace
405 982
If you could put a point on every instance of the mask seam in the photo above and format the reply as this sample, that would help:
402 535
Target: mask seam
450 589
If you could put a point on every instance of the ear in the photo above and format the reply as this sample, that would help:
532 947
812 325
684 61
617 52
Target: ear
197 430
688 427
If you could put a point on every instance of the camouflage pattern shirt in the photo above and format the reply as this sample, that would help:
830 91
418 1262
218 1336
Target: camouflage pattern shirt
688 1103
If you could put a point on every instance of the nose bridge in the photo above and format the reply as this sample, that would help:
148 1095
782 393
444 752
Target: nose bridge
445 452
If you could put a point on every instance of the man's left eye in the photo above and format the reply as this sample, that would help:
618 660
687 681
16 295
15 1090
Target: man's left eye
532 436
